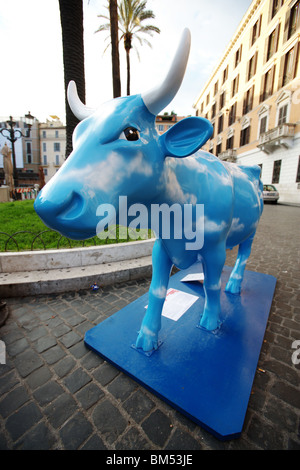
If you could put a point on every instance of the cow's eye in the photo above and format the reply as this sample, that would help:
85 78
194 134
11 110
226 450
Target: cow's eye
131 133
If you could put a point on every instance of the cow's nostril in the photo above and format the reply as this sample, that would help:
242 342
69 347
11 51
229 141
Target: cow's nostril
72 208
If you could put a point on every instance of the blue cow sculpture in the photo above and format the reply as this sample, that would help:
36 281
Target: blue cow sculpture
117 151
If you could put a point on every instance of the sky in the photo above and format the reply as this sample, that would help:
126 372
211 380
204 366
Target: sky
31 68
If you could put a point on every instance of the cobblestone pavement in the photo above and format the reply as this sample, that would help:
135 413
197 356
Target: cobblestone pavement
57 394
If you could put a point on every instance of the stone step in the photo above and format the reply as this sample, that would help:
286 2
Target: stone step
26 283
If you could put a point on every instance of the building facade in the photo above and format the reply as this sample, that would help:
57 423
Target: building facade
163 122
52 146
252 97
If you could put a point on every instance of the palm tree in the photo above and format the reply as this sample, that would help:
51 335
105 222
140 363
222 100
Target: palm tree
113 14
132 13
71 16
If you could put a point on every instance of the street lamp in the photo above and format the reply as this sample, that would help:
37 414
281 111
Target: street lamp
13 135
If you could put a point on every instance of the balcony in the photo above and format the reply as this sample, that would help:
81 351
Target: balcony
279 137
228 155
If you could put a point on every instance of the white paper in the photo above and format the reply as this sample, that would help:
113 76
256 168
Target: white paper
193 277
177 303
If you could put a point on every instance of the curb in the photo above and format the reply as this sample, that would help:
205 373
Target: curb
58 271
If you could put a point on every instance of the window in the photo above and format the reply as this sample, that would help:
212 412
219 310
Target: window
282 114
220 123
225 75
28 152
213 110
160 128
275 7
235 86
238 56
45 172
248 100
44 147
219 149
232 114
263 125
56 159
288 66
245 136
56 146
216 87
229 142
267 84
276 171
298 172
44 134
255 33
272 43
45 159
56 134
252 66
222 99
207 99
293 20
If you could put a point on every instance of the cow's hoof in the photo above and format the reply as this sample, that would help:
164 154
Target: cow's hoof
209 323
233 287
147 341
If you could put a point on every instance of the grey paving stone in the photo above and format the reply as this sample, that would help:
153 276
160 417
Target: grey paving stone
109 421
157 427
75 432
76 380
47 393
18 423
60 410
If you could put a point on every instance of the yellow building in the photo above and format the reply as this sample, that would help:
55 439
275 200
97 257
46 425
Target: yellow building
252 97
53 146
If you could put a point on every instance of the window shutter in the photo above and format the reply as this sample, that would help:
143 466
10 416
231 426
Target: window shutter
277 34
259 26
295 59
281 71
255 62
286 26
251 97
266 50
262 86
270 91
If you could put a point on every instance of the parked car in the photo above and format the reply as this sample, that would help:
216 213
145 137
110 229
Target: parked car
270 193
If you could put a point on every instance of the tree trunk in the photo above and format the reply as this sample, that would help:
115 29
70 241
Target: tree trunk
128 71
71 16
114 26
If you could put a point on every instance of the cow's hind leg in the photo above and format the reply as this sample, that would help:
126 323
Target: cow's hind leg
235 280
151 324
213 263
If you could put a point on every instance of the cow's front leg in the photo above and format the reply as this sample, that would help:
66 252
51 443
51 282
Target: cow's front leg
213 263
151 324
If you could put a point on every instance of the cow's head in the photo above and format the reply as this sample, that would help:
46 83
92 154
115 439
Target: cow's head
118 152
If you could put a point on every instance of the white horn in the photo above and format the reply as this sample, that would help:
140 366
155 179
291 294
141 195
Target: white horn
80 110
159 97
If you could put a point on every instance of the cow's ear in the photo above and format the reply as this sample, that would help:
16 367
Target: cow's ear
186 137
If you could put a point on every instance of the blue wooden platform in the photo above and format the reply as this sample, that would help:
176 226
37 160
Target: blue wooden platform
207 376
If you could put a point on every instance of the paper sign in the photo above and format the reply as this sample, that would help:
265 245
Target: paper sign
193 277
177 303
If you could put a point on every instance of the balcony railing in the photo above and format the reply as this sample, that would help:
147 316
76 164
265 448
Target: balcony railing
280 136
229 155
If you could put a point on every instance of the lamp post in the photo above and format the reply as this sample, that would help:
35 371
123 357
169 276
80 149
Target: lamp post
13 135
